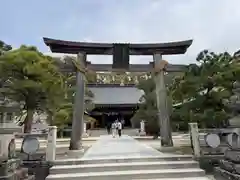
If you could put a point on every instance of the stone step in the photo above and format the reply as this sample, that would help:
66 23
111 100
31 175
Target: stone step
189 178
170 157
84 168
131 174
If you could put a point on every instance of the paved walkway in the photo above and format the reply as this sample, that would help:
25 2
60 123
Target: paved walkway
108 147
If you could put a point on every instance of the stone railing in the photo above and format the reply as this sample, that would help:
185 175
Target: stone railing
38 161
30 144
224 142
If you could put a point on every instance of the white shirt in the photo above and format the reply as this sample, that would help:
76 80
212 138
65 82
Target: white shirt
119 125
114 125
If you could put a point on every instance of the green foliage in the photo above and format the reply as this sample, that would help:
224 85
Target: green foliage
91 77
4 47
203 89
148 108
29 77
198 95
61 118
66 105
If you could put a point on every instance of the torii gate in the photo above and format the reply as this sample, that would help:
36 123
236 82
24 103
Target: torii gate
121 53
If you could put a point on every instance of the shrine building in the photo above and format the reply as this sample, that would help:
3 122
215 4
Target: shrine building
114 101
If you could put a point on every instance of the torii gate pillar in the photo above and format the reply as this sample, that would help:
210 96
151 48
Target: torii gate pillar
79 105
162 101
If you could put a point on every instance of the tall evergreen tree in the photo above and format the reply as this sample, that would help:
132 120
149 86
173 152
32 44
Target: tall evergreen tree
204 89
30 77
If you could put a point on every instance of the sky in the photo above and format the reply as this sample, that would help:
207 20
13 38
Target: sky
212 24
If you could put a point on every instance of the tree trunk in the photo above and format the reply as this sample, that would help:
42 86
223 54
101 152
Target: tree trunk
61 133
28 121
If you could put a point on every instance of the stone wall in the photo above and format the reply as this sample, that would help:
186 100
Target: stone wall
38 168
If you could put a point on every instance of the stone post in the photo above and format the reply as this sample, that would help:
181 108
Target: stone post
85 134
13 116
4 120
9 163
4 141
162 101
229 166
84 127
78 108
194 135
51 144
142 128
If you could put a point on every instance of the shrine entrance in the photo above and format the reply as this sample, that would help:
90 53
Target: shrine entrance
114 101
106 116
121 53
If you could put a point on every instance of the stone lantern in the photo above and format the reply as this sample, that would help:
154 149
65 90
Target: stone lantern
8 160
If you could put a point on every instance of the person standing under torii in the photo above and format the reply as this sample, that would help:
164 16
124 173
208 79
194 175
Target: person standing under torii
114 129
108 127
119 128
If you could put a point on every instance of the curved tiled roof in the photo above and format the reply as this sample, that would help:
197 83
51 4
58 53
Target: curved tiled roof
73 47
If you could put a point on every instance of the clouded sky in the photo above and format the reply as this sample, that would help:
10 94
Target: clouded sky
212 24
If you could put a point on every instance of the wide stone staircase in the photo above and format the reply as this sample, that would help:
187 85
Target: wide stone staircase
126 159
